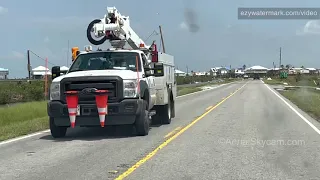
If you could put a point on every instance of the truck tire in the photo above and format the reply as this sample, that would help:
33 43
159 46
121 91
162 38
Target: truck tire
165 113
56 131
142 122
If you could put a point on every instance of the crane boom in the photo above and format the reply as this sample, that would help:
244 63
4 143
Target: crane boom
116 28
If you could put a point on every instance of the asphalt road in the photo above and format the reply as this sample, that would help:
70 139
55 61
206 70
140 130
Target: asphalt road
238 131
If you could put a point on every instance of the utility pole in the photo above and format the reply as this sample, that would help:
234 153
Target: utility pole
187 71
164 51
280 59
29 66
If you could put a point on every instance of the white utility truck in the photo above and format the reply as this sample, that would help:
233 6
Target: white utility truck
140 81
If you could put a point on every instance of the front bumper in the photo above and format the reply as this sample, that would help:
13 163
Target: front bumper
119 113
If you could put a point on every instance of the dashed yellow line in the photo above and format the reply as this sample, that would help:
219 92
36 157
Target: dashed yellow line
172 132
164 144
208 108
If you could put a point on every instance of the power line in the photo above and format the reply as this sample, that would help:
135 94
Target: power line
41 57
153 33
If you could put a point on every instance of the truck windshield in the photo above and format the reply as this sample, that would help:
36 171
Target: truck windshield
106 60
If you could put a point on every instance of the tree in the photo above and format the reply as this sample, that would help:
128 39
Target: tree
302 67
282 66
244 67
288 66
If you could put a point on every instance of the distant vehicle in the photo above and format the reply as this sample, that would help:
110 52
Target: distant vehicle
245 76
256 76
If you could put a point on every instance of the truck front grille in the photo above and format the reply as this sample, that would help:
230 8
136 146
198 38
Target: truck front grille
114 86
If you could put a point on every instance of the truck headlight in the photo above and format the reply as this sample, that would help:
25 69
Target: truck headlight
55 91
130 88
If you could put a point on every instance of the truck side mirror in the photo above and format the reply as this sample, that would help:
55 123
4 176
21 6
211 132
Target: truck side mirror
55 71
158 70
148 73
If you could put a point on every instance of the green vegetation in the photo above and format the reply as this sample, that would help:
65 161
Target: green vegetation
306 99
187 90
302 80
191 79
22 119
21 91
197 87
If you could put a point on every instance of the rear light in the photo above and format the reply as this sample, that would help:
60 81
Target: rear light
154 53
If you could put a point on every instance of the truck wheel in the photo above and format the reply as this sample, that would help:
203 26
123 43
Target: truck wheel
166 113
142 121
56 131
163 114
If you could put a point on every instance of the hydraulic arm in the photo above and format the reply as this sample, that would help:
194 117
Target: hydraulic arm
115 28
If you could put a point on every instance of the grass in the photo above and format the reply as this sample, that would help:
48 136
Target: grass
196 88
291 80
22 119
188 90
307 100
274 81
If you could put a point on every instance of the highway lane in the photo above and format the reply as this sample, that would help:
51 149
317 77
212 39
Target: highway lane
231 143
98 153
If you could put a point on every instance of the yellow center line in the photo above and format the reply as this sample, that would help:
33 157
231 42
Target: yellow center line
164 144
172 132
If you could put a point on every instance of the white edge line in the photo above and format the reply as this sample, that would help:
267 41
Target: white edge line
48 130
294 110
23 137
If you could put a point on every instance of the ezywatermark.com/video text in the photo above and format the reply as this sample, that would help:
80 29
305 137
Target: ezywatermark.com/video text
278 13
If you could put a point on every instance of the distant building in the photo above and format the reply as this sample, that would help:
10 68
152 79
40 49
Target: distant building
64 69
239 72
312 70
179 73
4 73
298 70
40 72
200 73
256 70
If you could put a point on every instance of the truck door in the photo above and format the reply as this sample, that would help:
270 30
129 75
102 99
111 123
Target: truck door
151 83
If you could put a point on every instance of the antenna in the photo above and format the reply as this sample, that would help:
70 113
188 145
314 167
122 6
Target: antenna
280 59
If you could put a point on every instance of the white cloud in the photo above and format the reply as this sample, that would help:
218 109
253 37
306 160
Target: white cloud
3 10
183 25
311 27
46 39
18 55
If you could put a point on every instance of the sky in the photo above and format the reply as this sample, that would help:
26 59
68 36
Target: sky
45 27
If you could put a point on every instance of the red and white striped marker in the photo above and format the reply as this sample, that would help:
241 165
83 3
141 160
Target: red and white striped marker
102 105
72 103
